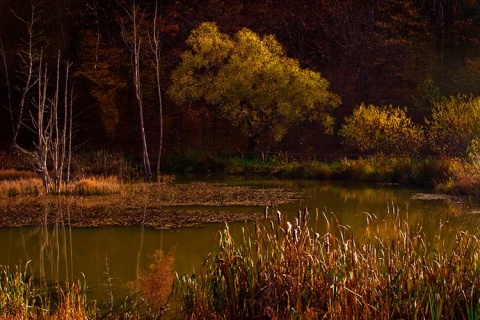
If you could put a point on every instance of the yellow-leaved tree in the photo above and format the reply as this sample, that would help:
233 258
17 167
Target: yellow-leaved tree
386 130
251 81
455 124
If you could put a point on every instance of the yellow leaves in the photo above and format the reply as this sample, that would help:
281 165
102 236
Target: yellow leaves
156 284
209 44
251 79
384 129
455 122
256 50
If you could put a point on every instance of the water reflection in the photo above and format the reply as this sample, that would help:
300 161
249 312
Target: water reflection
111 257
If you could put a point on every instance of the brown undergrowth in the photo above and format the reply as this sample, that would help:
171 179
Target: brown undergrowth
285 270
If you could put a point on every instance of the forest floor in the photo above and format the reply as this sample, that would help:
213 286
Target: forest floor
158 206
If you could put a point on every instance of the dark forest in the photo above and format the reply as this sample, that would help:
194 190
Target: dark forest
390 52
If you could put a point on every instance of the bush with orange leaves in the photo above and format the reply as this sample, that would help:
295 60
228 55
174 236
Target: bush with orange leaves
156 283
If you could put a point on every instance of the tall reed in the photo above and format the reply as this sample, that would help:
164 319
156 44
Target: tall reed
21 297
285 270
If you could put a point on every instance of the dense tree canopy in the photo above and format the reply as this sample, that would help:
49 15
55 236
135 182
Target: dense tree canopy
251 81
371 52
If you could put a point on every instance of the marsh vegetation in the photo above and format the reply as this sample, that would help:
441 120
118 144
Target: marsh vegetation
386 92
284 267
390 253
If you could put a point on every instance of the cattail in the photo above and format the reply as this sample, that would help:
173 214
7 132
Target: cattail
289 227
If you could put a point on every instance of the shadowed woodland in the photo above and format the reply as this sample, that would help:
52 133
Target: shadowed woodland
101 61
96 93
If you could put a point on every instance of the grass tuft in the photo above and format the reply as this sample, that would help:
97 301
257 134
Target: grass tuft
106 164
22 298
12 188
94 186
83 187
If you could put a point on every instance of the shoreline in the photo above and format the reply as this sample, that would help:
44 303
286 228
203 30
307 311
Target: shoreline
152 205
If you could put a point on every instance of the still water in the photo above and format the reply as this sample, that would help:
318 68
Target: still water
110 258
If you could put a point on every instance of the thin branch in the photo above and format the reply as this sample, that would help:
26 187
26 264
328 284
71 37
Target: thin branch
155 47
6 74
133 42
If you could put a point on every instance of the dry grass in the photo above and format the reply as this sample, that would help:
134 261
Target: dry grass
21 298
83 187
73 303
15 293
14 174
286 270
14 160
103 163
94 186
11 188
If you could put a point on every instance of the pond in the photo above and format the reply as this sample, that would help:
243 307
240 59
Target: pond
111 257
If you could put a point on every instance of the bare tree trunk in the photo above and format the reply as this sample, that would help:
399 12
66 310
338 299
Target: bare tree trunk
42 130
133 41
138 94
156 51
58 139
63 152
64 146
55 134
70 121
6 74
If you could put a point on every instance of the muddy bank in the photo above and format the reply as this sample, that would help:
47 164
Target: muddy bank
156 206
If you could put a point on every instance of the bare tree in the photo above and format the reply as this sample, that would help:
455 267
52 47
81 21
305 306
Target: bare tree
29 56
52 150
155 47
133 42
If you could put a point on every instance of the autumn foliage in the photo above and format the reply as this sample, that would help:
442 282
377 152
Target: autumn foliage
156 284
251 83
385 130
266 74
